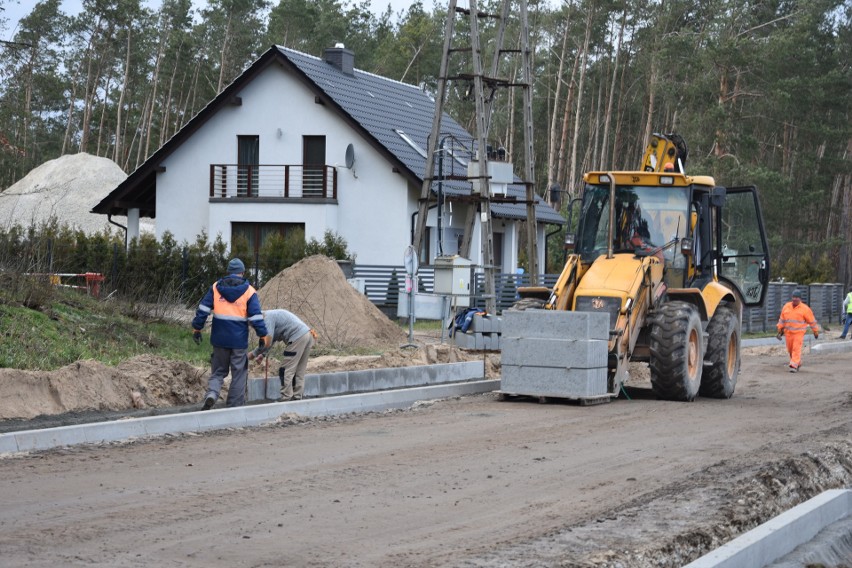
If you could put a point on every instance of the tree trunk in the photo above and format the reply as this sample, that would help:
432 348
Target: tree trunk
116 153
155 81
566 123
594 130
608 117
652 91
223 55
554 148
572 172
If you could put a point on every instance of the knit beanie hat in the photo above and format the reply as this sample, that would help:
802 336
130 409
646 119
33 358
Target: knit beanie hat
236 266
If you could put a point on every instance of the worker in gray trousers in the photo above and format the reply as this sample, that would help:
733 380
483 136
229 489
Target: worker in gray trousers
298 339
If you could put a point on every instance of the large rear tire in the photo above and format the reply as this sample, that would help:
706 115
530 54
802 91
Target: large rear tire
677 349
723 354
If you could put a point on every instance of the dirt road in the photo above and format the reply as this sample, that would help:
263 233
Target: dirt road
463 482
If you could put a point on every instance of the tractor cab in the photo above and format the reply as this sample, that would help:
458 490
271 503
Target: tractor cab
700 232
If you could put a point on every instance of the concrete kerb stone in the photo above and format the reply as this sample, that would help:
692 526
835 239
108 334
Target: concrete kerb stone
8 445
815 345
772 540
330 384
222 418
831 346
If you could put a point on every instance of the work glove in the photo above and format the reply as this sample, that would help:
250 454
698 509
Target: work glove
196 336
265 341
780 335
816 335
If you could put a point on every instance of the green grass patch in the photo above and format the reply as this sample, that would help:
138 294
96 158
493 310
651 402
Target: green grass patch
759 334
421 325
68 326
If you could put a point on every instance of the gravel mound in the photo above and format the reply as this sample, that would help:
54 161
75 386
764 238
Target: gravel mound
65 189
316 290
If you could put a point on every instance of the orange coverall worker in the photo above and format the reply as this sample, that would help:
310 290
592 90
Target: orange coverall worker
795 319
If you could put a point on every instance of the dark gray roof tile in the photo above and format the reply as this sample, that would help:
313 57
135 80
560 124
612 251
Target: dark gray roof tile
400 106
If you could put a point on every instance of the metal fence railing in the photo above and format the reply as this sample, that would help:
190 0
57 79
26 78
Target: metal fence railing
383 285
273 180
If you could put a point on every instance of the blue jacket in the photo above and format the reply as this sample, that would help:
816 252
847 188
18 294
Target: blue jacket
234 304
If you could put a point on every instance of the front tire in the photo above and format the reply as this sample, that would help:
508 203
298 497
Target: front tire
723 354
677 349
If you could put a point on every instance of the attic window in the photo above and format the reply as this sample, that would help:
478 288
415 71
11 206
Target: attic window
410 142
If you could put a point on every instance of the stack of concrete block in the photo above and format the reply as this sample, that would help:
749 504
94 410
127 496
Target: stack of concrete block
483 334
554 354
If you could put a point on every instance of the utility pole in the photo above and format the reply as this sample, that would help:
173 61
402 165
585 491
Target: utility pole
483 112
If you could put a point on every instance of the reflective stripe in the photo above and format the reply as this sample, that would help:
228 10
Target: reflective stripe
221 317
203 308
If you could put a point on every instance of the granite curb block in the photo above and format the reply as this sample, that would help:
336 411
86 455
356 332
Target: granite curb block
828 345
342 382
773 539
837 346
216 419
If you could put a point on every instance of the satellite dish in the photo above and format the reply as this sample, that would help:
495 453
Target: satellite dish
350 156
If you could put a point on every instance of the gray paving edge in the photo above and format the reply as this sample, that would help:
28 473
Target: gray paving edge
244 416
779 536
351 382
827 345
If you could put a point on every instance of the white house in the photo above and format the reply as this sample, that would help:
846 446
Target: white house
298 141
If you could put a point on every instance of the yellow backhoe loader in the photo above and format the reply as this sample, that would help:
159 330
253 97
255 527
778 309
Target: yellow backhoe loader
670 260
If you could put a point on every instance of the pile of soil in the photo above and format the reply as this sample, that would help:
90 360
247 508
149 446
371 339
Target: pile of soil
65 189
140 382
316 290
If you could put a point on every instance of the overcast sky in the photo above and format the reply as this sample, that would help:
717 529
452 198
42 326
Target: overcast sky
14 10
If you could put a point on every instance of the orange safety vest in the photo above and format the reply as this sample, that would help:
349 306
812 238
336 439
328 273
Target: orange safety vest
796 319
232 311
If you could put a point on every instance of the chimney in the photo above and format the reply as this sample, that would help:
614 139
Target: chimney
342 58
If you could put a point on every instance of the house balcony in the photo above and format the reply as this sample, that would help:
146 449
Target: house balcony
273 181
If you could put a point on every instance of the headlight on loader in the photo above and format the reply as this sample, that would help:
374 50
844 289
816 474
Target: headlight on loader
607 304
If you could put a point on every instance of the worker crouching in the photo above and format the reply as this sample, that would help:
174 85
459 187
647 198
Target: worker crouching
298 339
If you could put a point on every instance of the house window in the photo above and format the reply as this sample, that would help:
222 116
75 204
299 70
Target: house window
248 158
313 165
258 233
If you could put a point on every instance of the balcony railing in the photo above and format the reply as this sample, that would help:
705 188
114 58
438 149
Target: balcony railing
282 181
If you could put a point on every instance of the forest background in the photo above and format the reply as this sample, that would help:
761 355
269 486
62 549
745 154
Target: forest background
760 90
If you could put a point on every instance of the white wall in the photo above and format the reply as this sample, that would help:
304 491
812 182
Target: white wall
371 213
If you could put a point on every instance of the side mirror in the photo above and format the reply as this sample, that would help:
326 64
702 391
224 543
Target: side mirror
569 241
686 246
718 195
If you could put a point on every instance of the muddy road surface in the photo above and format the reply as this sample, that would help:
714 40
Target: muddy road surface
472 481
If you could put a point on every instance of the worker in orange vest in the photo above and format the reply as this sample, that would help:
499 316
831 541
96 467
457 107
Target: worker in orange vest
234 305
795 319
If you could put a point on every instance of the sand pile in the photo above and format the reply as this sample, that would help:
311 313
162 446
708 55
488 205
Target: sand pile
316 290
66 189
143 381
